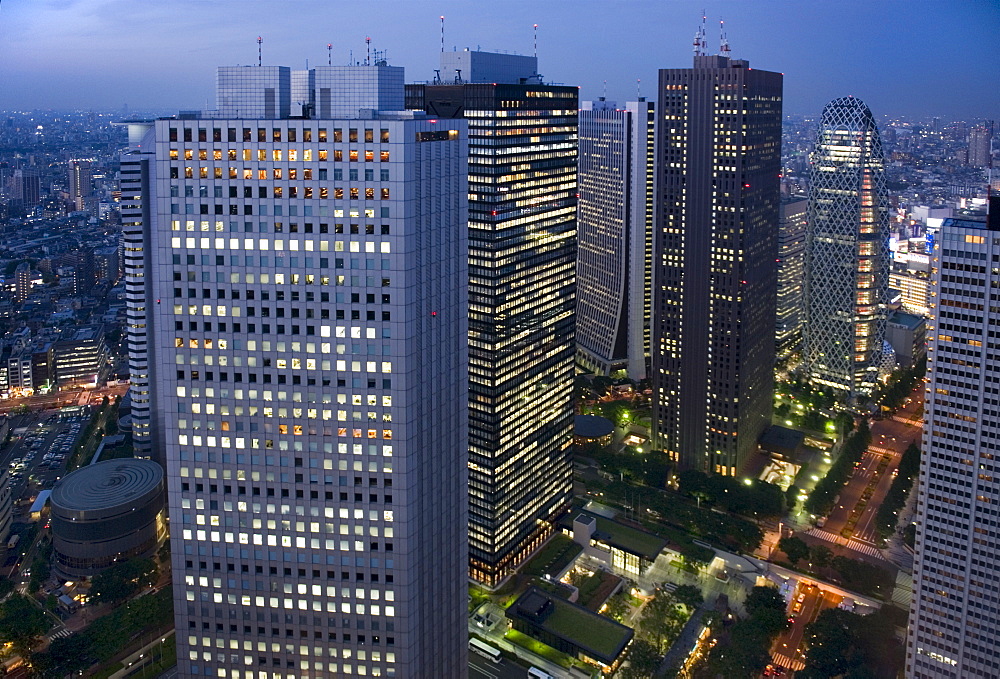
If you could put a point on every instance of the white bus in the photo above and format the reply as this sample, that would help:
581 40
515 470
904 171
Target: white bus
484 649
536 673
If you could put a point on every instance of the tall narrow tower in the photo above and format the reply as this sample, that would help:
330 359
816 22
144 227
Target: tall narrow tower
614 234
522 247
953 630
718 149
847 263
80 182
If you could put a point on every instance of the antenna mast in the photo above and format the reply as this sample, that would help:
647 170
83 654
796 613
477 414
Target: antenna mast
260 40
536 41
368 59
442 33
700 42
329 54
637 81
605 93
723 41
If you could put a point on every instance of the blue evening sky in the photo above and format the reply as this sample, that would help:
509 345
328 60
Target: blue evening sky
915 58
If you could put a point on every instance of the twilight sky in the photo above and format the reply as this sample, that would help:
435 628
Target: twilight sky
912 58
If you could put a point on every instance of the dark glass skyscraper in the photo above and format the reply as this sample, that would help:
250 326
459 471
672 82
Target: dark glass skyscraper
715 245
847 263
522 247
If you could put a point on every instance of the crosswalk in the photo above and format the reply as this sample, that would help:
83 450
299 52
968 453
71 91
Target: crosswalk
62 632
790 663
856 545
880 449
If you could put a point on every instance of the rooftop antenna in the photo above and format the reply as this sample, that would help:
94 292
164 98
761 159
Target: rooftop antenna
442 32
723 40
368 59
700 43
605 93
637 97
260 40
329 54
536 41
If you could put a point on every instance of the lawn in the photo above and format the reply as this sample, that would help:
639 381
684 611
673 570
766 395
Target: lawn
553 558
589 631
538 648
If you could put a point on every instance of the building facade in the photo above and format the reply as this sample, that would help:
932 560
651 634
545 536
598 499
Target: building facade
789 314
522 249
718 151
981 144
81 183
305 311
615 237
953 628
847 269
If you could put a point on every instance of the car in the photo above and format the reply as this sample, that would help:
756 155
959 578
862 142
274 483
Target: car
802 597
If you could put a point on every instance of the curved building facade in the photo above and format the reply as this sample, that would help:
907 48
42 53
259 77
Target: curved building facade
847 271
106 512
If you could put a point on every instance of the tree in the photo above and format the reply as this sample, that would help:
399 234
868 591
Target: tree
689 595
617 607
21 621
763 597
820 555
66 655
795 548
643 659
123 580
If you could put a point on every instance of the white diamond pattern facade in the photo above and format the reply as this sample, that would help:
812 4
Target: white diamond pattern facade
848 250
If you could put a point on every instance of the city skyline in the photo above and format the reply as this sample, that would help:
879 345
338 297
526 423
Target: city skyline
36 39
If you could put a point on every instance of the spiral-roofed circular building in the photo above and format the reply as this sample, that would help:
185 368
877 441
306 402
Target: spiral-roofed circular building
106 512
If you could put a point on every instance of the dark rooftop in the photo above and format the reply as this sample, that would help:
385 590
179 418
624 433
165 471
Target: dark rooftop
782 439
592 426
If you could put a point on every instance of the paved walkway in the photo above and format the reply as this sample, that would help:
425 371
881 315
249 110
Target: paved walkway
685 641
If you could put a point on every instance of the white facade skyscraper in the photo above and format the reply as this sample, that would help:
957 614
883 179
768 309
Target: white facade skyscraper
953 629
614 237
298 301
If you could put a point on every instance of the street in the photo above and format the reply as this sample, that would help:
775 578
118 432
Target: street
788 650
481 668
872 479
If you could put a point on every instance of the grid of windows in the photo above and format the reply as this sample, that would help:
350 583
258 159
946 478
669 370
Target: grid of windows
718 154
953 631
300 383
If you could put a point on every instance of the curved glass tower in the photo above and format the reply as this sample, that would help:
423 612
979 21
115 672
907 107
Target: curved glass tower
847 275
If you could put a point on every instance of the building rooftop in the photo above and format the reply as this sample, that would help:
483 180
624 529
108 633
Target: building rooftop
592 426
782 439
620 535
598 637
911 321
105 485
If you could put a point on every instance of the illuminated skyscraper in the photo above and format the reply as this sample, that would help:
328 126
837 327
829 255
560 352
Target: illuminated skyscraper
80 182
614 237
981 144
791 260
718 153
847 263
953 628
303 339
522 248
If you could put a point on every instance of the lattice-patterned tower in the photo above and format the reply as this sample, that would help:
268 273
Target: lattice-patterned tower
847 270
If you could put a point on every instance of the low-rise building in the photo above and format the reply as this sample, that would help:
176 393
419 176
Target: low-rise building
907 333
570 628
